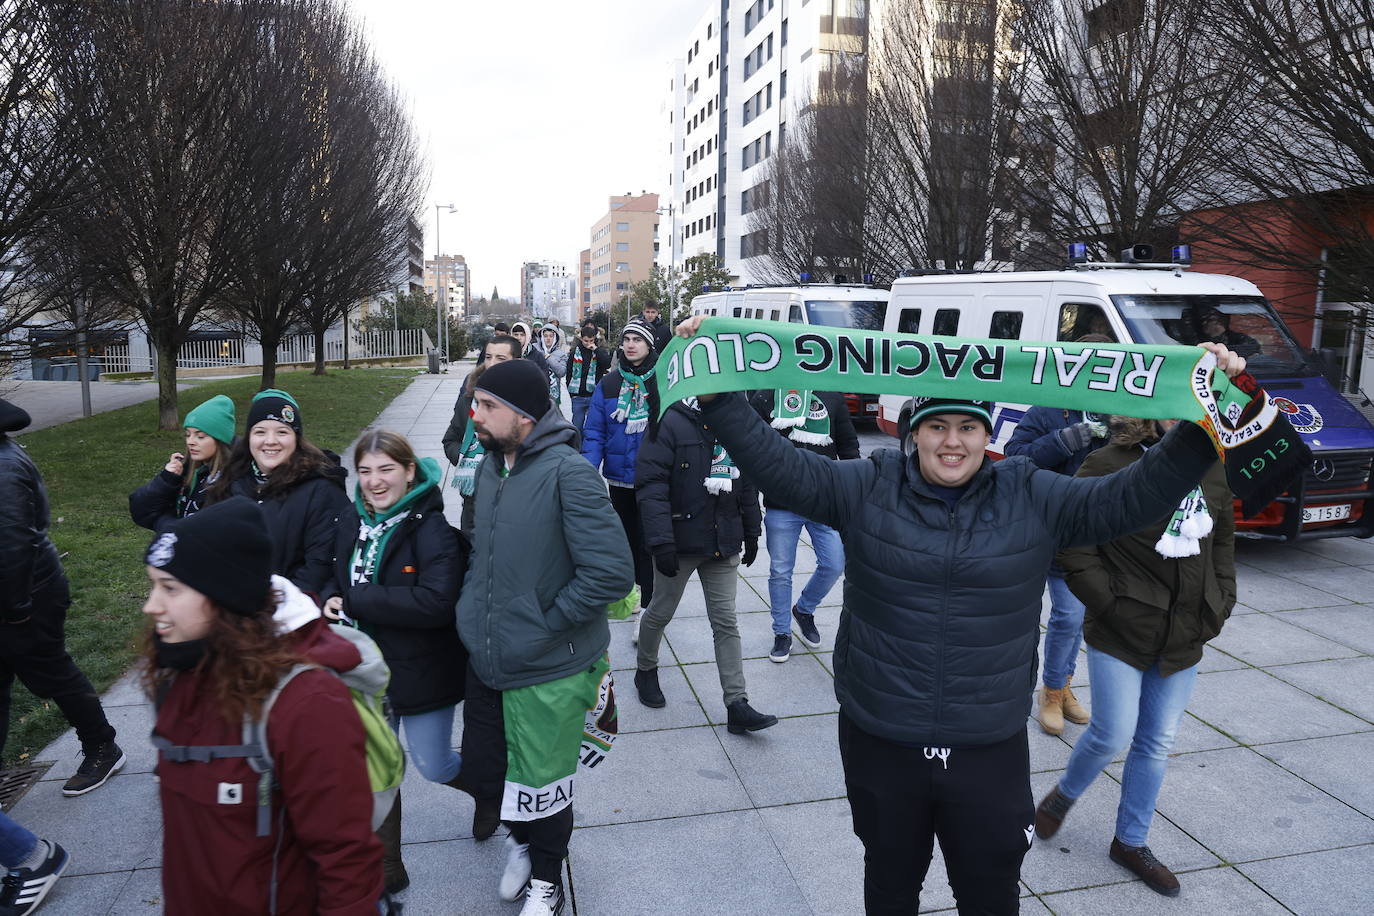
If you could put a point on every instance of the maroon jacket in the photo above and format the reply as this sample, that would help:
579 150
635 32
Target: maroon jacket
330 860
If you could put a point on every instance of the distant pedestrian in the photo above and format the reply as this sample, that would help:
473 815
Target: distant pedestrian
652 316
529 349
500 329
32 866
817 421
1154 599
34 599
179 488
545 565
698 516
614 428
225 635
398 568
557 358
587 365
300 489
461 445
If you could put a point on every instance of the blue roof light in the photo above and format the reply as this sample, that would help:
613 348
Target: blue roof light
1078 252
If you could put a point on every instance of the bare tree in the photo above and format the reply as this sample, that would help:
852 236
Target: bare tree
1127 105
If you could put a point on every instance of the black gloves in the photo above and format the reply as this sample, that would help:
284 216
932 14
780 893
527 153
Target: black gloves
1075 437
665 560
751 551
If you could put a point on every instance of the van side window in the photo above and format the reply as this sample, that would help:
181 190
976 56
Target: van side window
1005 325
1079 318
794 315
946 323
736 311
774 315
909 321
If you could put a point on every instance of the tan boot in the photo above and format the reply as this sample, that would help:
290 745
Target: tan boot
1074 711
1051 716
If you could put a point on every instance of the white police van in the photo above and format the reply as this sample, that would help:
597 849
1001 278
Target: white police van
838 305
1140 302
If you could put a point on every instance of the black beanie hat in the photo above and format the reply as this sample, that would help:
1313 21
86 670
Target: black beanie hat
642 329
519 384
928 407
223 551
274 404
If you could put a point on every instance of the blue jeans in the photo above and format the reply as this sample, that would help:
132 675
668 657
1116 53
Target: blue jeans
581 403
1130 707
429 738
16 843
783 528
1062 635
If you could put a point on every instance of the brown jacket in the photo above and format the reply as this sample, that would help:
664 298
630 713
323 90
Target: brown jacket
1143 607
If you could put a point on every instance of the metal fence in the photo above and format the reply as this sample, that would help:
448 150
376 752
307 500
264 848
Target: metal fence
202 354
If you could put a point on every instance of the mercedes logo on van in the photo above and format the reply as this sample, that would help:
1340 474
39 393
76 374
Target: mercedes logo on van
1324 469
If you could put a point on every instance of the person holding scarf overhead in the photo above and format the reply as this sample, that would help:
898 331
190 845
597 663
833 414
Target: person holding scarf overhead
819 422
611 436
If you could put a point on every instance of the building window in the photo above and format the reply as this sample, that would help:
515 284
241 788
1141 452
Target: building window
782 86
784 33
622 227
621 265
622 246
748 110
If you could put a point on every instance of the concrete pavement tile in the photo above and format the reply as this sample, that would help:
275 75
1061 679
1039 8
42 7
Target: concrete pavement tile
432 812
797 688
800 762
622 651
1077 855
692 639
1272 557
683 709
457 878
1193 735
132 723
818 844
659 774
1049 753
91 895
1350 582
687 866
1216 660
1267 592
1238 610
1350 625
1241 806
1355 551
1264 639
127 691
1338 765
118 826
1210 892
1254 708
141 893
1319 883
1346 682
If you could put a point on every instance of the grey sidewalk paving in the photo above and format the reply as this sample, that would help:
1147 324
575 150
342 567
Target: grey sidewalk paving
1268 806
51 403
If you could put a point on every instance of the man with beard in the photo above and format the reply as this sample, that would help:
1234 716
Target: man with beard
533 616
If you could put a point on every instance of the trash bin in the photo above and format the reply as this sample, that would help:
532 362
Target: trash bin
433 361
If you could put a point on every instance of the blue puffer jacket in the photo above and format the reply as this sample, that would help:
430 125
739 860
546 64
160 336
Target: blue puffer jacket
937 638
1034 437
610 449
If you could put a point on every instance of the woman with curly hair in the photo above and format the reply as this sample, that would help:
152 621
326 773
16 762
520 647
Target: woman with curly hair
300 489
226 633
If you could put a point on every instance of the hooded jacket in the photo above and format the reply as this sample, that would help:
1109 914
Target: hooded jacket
302 524
330 862
600 364
676 510
1142 607
844 439
937 639
556 356
605 443
407 608
28 559
548 556
663 334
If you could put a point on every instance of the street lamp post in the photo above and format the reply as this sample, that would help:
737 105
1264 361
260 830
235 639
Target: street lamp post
440 299
672 258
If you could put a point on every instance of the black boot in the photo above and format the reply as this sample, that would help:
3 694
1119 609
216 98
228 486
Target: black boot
646 682
486 814
740 717
394 875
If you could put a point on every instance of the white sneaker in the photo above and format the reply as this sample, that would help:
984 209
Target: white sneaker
543 899
517 873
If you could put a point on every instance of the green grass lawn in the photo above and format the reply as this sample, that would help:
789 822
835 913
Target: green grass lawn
92 465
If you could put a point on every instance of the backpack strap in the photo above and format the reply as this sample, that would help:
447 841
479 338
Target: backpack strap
255 737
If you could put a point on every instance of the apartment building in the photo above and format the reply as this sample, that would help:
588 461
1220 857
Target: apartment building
447 280
624 247
584 282
746 71
531 293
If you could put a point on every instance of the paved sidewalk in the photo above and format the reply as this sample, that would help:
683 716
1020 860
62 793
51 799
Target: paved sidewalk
1268 806
52 403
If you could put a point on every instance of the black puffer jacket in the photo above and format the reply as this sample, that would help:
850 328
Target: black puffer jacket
675 509
937 639
408 610
28 560
302 524
154 505
844 440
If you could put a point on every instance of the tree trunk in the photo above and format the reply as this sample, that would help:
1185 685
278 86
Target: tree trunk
269 362
319 352
347 334
167 348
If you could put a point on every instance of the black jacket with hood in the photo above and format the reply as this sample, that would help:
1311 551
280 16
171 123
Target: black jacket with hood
28 559
155 504
601 360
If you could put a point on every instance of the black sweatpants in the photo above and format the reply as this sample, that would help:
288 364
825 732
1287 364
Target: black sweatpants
627 507
484 768
35 651
977 801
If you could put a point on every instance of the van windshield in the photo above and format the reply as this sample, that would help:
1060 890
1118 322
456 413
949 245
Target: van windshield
1246 324
846 313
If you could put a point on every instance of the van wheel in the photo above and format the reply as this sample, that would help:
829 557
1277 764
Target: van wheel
904 431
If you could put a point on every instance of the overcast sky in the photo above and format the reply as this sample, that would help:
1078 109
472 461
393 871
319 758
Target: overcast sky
513 103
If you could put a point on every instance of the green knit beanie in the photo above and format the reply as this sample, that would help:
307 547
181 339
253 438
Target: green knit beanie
215 418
